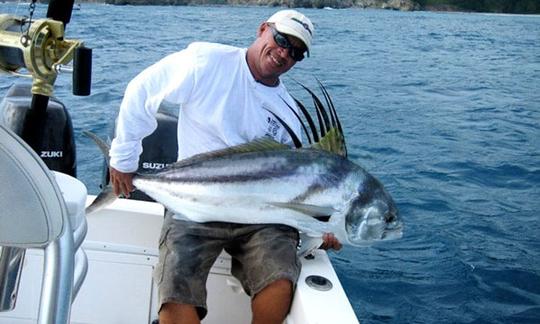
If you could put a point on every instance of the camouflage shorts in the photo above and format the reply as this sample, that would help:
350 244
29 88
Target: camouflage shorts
260 255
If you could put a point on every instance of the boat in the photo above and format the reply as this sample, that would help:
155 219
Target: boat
58 265
121 252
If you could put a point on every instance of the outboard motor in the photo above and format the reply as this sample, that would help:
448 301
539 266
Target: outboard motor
159 150
53 131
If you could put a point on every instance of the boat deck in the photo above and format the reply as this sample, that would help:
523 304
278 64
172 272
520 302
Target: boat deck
121 246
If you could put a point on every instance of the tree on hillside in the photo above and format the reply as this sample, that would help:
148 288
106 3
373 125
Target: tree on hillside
503 6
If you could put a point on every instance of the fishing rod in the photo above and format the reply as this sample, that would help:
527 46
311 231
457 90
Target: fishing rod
40 47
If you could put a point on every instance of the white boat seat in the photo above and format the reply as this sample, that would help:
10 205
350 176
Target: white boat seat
30 201
33 199
40 209
74 194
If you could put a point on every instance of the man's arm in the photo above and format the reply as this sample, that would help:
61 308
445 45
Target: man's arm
169 79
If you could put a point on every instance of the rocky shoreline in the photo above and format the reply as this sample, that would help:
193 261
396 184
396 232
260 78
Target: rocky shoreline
403 5
500 6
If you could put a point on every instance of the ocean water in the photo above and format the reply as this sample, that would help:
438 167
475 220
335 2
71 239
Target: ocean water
444 108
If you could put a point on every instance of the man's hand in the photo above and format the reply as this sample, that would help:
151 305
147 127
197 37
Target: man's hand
122 183
330 242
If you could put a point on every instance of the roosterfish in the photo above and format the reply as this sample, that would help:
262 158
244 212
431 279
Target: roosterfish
314 188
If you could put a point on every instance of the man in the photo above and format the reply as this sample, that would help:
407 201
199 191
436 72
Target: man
224 93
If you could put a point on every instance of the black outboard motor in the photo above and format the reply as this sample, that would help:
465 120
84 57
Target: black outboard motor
55 141
38 48
159 150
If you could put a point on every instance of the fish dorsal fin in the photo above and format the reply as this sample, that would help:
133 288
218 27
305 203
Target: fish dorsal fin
329 135
258 145
332 141
332 137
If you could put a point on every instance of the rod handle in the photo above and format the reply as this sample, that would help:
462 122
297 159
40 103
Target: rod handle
82 71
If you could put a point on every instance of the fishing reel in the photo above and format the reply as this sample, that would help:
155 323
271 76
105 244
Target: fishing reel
42 50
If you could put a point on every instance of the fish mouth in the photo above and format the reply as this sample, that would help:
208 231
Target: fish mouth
376 222
392 231
369 232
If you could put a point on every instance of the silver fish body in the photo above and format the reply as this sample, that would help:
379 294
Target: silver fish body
312 190
315 189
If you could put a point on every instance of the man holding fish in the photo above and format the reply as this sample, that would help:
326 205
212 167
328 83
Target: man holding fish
227 96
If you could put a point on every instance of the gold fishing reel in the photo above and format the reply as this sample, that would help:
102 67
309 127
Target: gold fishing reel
40 49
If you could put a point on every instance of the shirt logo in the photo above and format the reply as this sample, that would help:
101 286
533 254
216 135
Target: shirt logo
272 127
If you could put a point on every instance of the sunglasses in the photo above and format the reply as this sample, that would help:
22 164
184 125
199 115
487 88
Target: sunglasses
282 41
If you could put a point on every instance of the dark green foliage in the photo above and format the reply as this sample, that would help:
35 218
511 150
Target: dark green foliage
502 6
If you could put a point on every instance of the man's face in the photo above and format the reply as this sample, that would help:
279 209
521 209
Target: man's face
269 60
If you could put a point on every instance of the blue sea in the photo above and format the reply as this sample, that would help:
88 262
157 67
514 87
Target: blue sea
444 108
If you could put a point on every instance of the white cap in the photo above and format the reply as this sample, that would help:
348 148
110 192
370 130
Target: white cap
293 23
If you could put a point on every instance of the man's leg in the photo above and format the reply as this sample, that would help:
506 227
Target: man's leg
172 313
271 305
264 259
187 251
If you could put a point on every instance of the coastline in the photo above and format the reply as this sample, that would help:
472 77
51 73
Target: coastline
402 5
516 7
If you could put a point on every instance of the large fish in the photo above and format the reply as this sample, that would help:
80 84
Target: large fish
314 189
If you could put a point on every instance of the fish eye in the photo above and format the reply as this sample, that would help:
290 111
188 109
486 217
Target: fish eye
390 217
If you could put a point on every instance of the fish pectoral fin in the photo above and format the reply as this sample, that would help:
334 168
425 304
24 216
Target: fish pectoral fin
310 210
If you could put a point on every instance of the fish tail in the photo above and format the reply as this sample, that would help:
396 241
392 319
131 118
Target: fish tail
103 146
105 198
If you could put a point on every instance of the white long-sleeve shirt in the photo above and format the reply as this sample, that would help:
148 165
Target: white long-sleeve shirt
221 104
